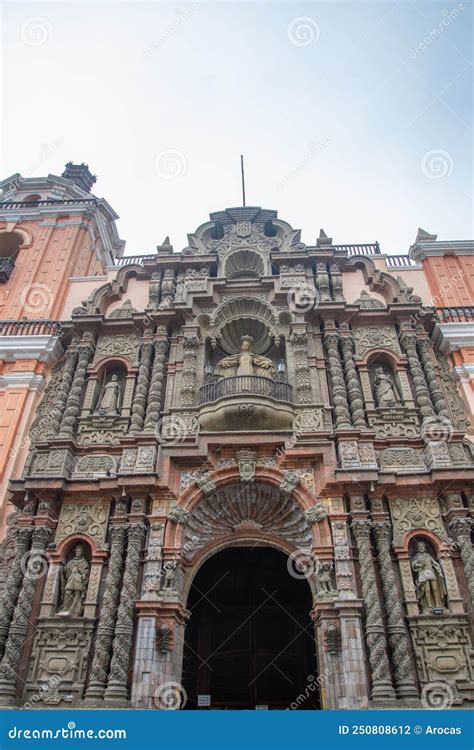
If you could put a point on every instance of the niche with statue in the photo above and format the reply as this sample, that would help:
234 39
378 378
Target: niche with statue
106 407
389 402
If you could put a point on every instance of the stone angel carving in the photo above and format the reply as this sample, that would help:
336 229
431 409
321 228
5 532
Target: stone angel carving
246 362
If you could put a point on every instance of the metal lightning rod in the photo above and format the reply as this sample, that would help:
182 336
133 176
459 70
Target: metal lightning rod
243 178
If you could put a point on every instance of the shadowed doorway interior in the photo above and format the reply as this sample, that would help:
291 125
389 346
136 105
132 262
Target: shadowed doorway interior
250 640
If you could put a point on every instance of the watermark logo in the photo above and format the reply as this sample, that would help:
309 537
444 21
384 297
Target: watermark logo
35 564
436 696
436 430
170 696
301 564
436 164
36 31
303 298
302 31
170 164
36 299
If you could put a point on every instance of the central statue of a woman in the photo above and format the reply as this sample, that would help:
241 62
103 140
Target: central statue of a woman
246 363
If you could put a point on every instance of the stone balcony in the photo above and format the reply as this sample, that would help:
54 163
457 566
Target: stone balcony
245 403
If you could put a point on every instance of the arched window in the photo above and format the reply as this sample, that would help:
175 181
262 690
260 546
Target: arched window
10 243
33 199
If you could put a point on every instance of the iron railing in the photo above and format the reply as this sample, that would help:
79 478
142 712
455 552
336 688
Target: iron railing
129 260
455 314
401 261
30 328
7 264
251 385
363 249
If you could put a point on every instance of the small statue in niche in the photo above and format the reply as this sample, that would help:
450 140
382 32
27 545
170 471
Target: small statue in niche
109 399
154 290
246 363
385 389
167 289
73 584
325 579
170 576
429 579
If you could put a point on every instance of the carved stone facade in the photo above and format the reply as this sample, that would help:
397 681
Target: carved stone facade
337 437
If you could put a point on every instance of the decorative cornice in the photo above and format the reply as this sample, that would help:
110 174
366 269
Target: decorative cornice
430 249
451 336
42 348
22 380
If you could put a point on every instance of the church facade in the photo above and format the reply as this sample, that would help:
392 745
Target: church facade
248 483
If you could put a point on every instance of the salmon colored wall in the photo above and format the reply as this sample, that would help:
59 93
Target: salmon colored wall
38 286
451 279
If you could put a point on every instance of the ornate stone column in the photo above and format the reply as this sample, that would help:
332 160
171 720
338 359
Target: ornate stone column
13 583
422 394
59 404
425 348
382 688
105 629
299 344
188 375
156 385
354 390
116 691
396 628
22 614
68 422
460 528
141 391
338 385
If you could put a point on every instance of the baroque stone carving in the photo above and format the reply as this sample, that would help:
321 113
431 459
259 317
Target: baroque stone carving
385 390
402 459
423 399
324 579
73 584
188 375
461 531
156 385
83 519
429 580
354 390
206 484
299 343
49 412
337 381
13 583
87 466
289 483
247 461
309 420
141 391
381 682
375 337
456 404
316 513
415 513
72 405
367 302
123 345
177 514
246 362
246 507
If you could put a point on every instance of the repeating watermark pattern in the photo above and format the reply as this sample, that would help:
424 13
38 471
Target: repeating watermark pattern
436 164
36 31
301 564
313 685
172 430
437 429
35 564
303 298
312 152
46 152
302 31
170 696
182 17
36 299
449 17
170 164
436 696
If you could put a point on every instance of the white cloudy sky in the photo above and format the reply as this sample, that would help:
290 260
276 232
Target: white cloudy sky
348 119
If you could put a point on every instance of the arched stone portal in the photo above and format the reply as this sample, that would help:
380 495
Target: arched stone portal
250 640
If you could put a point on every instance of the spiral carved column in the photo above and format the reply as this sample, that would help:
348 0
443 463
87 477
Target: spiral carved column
354 390
423 398
338 385
461 531
382 688
13 583
156 386
22 614
116 691
397 632
141 390
59 405
73 403
105 629
425 348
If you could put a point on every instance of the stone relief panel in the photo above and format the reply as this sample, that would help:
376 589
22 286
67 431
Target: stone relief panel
84 519
41 425
455 402
408 460
101 463
416 513
124 345
375 337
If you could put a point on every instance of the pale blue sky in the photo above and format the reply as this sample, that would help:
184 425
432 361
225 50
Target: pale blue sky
346 122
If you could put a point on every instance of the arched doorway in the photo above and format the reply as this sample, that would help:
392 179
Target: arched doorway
250 640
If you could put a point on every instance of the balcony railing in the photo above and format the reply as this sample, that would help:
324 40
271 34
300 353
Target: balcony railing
251 385
47 202
363 249
7 265
401 261
30 328
455 314
129 260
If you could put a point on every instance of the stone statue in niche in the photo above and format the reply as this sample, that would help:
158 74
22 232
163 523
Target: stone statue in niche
73 584
325 579
429 580
110 397
385 389
246 362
